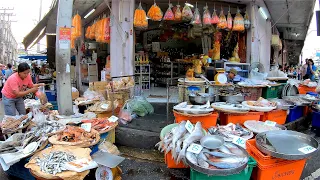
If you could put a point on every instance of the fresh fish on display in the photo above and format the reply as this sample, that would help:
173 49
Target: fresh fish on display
53 163
191 157
230 131
179 132
47 128
196 135
219 154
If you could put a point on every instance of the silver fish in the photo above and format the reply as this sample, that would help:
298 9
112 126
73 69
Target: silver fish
219 154
234 149
196 135
203 163
224 149
177 134
191 157
227 163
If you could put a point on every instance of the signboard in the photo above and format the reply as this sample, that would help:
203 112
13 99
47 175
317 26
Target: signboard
64 38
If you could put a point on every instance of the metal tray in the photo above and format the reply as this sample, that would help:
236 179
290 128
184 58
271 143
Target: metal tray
220 172
306 103
285 144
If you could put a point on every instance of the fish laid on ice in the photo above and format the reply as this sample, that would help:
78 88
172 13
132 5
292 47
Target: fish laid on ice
177 134
191 157
196 135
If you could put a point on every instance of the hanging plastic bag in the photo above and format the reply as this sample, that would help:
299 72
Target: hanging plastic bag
229 21
222 21
169 16
92 31
42 95
77 25
215 18
88 32
206 16
196 20
140 18
177 13
238 23
247 22
187 14
155 13
106 32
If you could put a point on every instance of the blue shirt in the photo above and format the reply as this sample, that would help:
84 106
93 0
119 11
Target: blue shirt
311 76
3 71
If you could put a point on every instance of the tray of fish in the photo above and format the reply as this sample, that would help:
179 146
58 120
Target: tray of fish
178 139
282 104
48 128
299 101
290 145
259 126
230 131
230 107
193 109
227 160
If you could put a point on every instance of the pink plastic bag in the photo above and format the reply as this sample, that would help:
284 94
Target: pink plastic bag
206 18
169 16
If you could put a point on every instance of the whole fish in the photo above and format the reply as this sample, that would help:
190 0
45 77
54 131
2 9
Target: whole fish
196 135
177 134
178 146
224 149
202 163
234 149
227 163
219 154
191 157
224 165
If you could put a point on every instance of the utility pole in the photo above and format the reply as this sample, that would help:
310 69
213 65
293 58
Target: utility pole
63 61
40 11
6 37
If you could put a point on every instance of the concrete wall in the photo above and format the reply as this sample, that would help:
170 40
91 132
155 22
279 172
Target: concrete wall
259 36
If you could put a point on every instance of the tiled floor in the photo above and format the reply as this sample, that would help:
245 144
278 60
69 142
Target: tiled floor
159 94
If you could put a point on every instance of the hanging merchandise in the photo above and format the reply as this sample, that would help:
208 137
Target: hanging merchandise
92 30
222 21
196 20
140 18
98 31
88 32
215 17
77 25
187 14
216 46
238 23
106 31
247 22
177 13
155 13
206 16
169 16
229 20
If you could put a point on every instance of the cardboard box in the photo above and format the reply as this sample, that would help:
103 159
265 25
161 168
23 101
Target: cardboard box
75 95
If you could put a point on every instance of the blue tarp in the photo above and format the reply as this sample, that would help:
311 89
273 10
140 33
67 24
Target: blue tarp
34 57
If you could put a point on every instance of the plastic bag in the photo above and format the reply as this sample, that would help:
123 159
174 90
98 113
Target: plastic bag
88 32
145 104
247 22
206 18
92 31
178 14
169 16
187 14
229 21
106 31
238 23
42 95
222 21
196 20
215 18
92 95
38 117
155 13
140 18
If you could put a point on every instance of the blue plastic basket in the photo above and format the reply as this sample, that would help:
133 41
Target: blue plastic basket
295 113
95 148
315 119
51 95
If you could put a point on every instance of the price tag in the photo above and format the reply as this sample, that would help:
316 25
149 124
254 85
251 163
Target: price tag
270 123
239 141
113 119
189 126
86 126
307 149
195 148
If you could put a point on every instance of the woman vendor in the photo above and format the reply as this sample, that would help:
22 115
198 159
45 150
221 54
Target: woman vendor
15 88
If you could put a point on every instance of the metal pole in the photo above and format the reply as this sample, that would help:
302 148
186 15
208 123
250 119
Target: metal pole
63 62
40 11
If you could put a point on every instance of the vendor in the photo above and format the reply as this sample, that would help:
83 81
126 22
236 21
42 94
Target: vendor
231 75
311 70
15 88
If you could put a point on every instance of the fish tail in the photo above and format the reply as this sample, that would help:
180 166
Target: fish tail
182 155
160 146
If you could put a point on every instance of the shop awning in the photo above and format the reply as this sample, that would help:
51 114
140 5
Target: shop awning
33 57
39 31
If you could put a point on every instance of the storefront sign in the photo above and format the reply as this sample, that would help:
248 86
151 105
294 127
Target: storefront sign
64 38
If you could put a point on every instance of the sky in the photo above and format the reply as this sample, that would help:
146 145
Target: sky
27 16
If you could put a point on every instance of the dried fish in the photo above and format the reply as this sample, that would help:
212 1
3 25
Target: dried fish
53 163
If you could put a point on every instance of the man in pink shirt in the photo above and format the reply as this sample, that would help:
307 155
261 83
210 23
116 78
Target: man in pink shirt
15 89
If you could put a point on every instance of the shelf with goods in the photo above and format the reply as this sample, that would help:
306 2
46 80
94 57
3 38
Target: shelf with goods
142 76
243 69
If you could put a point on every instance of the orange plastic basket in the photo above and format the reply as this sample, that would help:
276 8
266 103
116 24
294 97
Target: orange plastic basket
207 121
288 170
226 118
170 162
278 116
304 89
259 156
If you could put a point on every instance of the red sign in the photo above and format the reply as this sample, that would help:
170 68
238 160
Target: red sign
65 34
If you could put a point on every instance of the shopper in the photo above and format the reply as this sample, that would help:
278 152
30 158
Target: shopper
35 73
9 71
15 88
304 69
311 70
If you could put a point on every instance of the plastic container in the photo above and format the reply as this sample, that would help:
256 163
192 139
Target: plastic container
315 119
278 116
259 156
280 88
243 175
252 93
51 95
288 170
170 162
305 89
295 113
207 121
226 118
270 92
